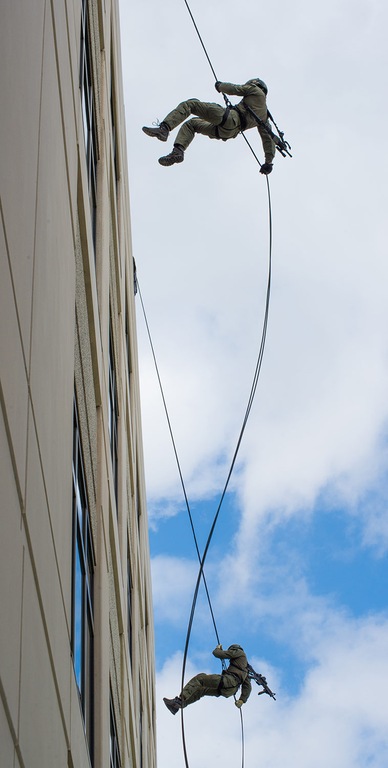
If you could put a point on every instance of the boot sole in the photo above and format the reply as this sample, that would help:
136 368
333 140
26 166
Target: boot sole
151 132
167 161
171 709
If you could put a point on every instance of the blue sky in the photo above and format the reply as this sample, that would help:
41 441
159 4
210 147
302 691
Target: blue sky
298 568
325 550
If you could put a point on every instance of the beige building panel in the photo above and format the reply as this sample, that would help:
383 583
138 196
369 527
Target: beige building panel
13 370
46 555
53 321
7 748
67 72
39 706
102 645
70 41
21 37
78 744
11 580
56 295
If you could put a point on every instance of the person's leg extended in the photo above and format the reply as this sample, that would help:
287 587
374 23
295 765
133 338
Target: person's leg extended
184 138
198 686
208 111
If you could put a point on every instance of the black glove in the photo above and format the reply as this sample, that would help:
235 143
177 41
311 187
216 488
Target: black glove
217 86
266 168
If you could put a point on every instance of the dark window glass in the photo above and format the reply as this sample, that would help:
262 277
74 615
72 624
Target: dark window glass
113 122
88 112
82 588
128 346
78 623
141 726
129 604
113 413
114 744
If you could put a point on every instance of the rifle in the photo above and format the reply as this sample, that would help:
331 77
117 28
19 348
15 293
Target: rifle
260 680
281 144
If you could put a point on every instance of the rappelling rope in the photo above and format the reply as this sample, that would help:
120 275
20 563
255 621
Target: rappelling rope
227 102
200 39
247 412
249 406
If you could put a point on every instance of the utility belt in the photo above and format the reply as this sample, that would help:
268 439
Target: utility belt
230 674
243 120
223 121
236 677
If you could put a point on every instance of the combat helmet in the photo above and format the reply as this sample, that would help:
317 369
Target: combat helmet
260 83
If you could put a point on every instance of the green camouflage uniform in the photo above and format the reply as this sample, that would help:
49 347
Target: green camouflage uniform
226 684
209 117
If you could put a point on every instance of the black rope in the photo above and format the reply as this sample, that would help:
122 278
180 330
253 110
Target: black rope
200 39
249 406
242 739
247 412
201 574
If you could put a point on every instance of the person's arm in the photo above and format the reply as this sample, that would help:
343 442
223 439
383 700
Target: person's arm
268 145
231 653
235 90
219 653
246 689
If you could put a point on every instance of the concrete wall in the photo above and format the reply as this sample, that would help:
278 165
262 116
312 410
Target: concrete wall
59 293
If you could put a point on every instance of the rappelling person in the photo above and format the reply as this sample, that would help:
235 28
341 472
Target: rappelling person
227 684
219 122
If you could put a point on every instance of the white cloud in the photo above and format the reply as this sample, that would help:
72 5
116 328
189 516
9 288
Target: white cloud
338 718
172 587
318 428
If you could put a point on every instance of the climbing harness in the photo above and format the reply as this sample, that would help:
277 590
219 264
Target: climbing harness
280 142
243 120
223 121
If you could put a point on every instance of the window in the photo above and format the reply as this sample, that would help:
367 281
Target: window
113 412
82 633
113 121
113 740
88 112
129 603
128 346
138 497
141 725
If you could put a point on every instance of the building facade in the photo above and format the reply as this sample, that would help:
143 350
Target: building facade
76 629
